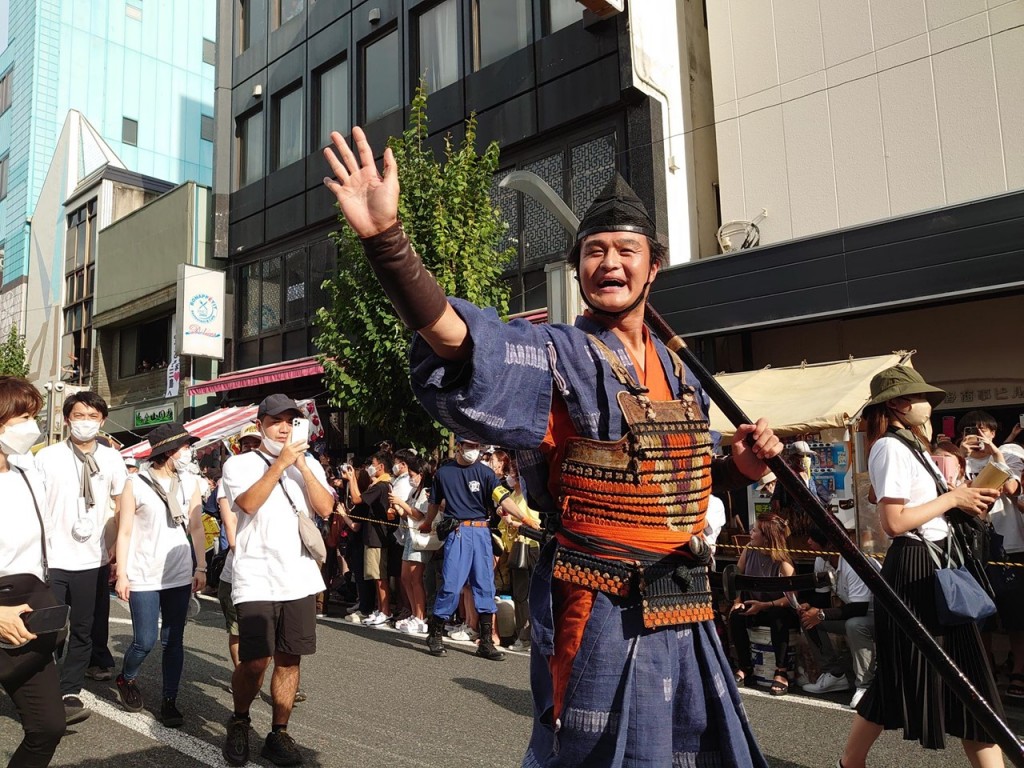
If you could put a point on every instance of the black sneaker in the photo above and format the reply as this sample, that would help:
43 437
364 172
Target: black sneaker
129 693
170 716
74 710
281 749
236 745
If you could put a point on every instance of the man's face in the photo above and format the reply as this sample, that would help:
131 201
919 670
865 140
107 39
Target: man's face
614 268
83 412
468 452
248 443
375 463
278 428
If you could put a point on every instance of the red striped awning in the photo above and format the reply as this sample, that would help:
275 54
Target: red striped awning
264 374
213 426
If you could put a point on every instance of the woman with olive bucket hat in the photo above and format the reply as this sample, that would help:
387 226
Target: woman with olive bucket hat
156 563
907 692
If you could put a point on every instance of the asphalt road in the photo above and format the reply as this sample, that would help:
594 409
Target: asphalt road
376 699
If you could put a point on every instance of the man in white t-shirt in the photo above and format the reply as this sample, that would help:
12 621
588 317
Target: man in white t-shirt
853 619
83 481
977 431
274 580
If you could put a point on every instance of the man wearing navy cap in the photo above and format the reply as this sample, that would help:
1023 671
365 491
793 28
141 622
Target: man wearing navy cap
275 580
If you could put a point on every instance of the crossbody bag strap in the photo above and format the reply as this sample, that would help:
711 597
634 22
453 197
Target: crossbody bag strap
280 481
162 495
39 516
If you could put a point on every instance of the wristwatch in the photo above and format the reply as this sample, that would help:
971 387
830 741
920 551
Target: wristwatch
821 614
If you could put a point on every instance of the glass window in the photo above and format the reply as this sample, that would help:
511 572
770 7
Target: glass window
209 52
295 290
244 25
286 10
129 349
559 14
500 28
332 102
206 128
270 309
382 86
439 49
288 128
130 131
250 148
543 236
6 93
593 164
249 299
3 177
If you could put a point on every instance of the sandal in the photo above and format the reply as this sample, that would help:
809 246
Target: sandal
744 677
1015 690
779 688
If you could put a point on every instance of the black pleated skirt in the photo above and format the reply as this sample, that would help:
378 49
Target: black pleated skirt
907 692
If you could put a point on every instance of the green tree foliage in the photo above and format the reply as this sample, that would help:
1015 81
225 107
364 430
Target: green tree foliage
12 354
447 211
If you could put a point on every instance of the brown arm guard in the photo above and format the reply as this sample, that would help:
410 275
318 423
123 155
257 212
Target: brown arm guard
415 294
725 476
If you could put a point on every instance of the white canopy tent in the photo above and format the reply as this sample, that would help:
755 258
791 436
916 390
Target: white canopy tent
805 398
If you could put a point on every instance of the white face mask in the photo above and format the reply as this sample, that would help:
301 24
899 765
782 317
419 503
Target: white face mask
470 455
396 469
917 414
183 459
84 429
19 438
272 447
371 471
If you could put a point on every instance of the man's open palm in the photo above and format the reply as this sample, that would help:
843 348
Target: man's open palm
368 200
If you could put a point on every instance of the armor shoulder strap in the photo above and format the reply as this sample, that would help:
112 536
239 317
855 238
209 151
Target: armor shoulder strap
617 366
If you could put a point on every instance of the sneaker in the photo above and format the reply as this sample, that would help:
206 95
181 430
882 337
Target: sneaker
129 693
402 625
857 696
356 617
827 683
236 744
376 619
100 673
170 716
465 634
74 710
520 645
299 696
421 627
281 749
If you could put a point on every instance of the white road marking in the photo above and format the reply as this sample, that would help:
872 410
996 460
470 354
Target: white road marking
819 703
205 753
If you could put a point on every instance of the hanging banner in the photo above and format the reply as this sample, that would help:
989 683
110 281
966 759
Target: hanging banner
173 367
201 313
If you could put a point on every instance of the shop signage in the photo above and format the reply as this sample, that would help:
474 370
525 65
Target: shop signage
978 394
200 312
151 417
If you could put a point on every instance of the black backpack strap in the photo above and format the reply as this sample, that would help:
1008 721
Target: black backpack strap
39 516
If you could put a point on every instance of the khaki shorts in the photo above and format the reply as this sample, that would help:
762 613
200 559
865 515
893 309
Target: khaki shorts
375 563
227 607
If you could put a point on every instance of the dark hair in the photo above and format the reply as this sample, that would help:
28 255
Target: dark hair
87 398
659 253
18 396
406 456
426 479
976 419
383 457
505 460
818 537
160 460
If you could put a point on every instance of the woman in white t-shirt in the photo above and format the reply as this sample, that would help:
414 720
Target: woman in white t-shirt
907 692
27 669
156 563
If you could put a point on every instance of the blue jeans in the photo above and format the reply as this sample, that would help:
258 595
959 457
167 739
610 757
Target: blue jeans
170 605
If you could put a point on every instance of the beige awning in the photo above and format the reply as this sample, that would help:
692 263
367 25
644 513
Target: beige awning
803 398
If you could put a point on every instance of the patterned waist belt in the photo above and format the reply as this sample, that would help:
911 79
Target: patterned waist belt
475 523
672 590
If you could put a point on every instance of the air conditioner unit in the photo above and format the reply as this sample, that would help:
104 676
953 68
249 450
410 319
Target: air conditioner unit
603 8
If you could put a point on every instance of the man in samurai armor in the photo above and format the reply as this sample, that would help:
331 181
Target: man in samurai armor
614 447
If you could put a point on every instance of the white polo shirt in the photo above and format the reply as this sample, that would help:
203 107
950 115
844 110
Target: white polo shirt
160 554
62 478
270 562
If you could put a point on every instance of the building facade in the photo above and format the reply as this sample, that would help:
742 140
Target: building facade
567 95
140 75
885 141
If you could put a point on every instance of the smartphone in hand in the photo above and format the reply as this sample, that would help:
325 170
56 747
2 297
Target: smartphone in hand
300 431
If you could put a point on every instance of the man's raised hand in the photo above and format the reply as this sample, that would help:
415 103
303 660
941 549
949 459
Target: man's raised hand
368 200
